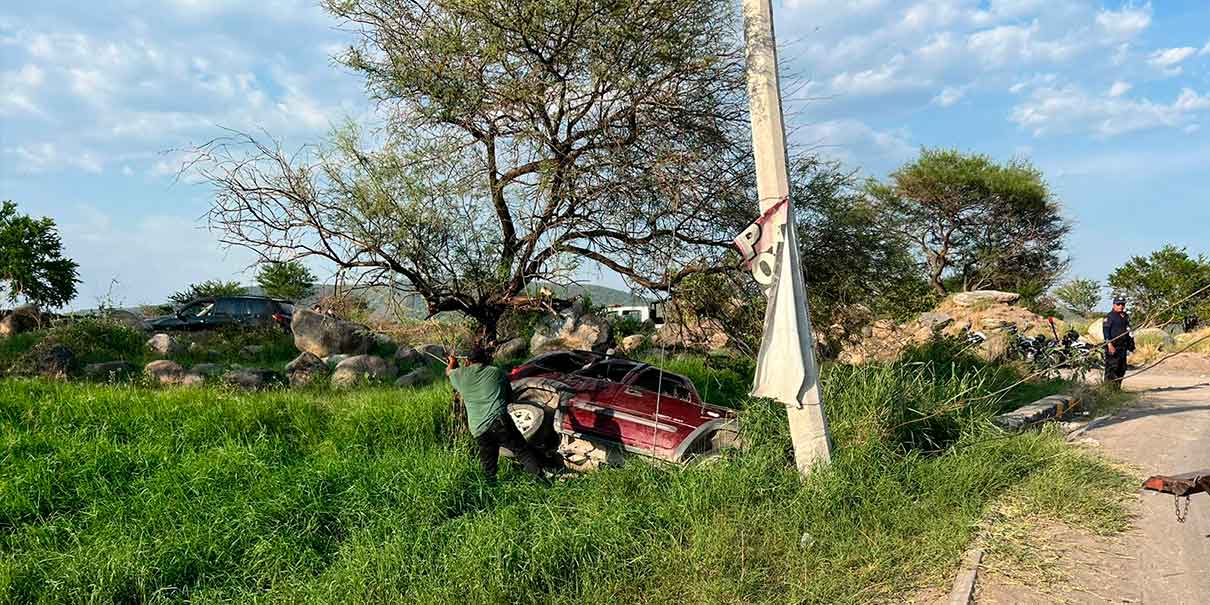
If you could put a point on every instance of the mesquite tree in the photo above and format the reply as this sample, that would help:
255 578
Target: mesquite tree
975 223
522 139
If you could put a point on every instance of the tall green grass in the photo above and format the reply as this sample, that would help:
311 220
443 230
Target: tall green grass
125 494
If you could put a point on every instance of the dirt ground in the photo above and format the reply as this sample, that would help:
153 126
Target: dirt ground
1167 431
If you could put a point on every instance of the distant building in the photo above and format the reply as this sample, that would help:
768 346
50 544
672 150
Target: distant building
643 313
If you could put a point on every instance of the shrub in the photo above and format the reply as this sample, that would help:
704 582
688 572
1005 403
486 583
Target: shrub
94 340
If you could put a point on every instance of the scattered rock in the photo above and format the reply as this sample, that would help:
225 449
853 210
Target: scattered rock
325 336
207 370
362 368
163 344
935 321
110 370
164 371
985 297
334 360
306 369
25 318
54 362
252 378
511 349
883 328
382 340
1095 333
633 343
417 377
994 323
573 329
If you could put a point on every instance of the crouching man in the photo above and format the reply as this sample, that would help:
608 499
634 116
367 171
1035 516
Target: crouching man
485 392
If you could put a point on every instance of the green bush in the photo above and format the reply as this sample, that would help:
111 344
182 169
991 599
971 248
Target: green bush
94 340
274 347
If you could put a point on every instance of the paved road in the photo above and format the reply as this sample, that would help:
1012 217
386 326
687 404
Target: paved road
1166 432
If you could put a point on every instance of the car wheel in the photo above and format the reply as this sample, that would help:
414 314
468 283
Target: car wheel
529 418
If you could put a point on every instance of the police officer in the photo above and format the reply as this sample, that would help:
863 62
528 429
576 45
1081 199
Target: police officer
1118 342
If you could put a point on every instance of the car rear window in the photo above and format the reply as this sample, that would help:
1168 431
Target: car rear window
560 362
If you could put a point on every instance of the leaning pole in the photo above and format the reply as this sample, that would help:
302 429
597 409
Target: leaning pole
786 366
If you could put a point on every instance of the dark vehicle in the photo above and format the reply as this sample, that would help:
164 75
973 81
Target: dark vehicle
634 405
228 311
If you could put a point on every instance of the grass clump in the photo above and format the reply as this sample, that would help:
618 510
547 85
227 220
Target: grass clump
121 494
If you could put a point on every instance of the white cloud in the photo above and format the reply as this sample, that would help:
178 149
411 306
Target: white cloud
1168 60
47 157
1125 23
852 141
1051 110
882 80
1014 44
1205 50
1119 88
949 96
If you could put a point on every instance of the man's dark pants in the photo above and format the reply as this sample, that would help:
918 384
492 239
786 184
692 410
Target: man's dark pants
1115 367
503 432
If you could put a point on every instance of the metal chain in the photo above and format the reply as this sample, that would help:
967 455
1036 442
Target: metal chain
1181 513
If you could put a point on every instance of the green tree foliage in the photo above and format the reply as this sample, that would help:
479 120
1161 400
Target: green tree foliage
290 280
526 138
31 260
977 224
1157 286
849 259
1080 295
207 289
854 267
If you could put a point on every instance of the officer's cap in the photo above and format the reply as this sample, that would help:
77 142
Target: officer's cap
1119 300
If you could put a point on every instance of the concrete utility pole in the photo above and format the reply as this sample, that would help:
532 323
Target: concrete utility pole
786 368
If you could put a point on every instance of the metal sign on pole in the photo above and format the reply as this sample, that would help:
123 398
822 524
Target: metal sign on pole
786 367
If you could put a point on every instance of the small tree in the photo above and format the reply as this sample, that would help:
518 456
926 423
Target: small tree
291 280
1080 295
1162 286
31 260
975 223
208 289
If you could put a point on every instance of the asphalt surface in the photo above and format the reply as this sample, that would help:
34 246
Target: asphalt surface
1167 432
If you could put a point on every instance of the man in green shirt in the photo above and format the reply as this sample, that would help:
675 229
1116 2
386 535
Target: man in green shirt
485 392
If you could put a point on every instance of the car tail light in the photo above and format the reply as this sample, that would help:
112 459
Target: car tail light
279 318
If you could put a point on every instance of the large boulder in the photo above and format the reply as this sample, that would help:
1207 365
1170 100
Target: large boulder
432 353
252 378
985 297
933 321
362 368
25 318
207 370
574 329
164 371
406 357
415 378
306 369
54 362
511 349
163 344
324 336
110 370
633 343
1096 331
334 360
707 335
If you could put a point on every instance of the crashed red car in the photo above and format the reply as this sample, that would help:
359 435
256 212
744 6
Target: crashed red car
633 405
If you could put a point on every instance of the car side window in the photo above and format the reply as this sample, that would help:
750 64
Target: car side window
608 370
258 307
652 379
196 309
229 307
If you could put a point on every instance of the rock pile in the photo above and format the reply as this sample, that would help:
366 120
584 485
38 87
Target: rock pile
572 329
325 336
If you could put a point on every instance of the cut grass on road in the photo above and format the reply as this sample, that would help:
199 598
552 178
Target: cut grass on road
127 494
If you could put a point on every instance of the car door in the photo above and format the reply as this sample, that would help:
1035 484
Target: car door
661 409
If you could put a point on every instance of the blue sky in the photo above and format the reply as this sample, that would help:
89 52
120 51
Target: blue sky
1110 99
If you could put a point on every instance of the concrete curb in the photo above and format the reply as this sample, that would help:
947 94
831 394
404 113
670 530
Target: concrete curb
1047 408
964 585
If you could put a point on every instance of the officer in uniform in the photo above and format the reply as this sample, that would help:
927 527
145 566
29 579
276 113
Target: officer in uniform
1118 342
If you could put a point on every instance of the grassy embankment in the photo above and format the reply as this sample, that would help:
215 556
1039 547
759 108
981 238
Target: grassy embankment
128 494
